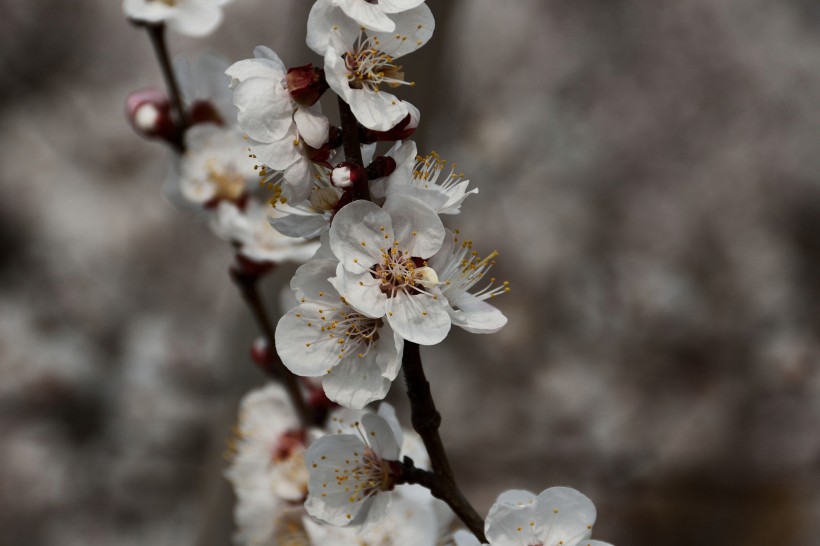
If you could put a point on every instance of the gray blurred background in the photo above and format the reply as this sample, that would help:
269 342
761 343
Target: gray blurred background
649 171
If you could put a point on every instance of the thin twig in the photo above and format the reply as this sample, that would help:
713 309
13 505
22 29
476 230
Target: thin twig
426 421
352 147
248 284
156 31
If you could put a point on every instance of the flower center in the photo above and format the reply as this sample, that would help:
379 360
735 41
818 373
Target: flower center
170 3
368 67
229 183
400 272
289 530
368 475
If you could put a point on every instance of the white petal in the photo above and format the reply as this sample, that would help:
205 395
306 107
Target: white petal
279 154
196 18
294 225
366 14
312 125
361 291
417 227
379 111
328 26
397 6
513 525
255 68
265 110
566 515
305 350
356 382
413 28
356 235
147 10
433 197
310 281
478 317
391 349
418 318
298 179
380 437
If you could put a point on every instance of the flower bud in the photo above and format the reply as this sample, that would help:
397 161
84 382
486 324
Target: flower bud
306 84
149 112
347 175
382 166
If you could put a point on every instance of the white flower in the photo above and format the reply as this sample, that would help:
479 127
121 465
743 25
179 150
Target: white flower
382 270
249 227
460 268
279 129
418 177
359 64
189 17
268 466
559 516
374 15
351 475
357 356
215 165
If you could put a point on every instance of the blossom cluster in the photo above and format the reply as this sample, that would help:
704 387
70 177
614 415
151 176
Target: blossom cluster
258 157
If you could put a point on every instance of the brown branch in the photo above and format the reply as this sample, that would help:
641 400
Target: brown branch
352 147
426 421
248 284
156 32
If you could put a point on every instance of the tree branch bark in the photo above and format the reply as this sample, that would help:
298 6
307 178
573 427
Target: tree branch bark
426 421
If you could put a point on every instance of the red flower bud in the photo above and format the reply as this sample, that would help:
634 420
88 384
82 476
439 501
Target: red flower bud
149 112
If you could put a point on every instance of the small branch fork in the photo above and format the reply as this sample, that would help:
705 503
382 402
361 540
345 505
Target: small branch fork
426 421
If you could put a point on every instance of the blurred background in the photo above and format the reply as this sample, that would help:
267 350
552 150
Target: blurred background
649 171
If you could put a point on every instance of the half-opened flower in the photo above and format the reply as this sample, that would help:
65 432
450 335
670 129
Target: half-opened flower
249 228
351 475
459 269
282 133
356 355
189 17
559 516
382 269
360 64
423 178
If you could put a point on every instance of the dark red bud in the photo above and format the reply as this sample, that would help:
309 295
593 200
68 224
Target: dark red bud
306 84
382 166
149 112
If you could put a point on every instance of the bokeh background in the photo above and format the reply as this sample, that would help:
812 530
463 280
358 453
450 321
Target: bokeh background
649 171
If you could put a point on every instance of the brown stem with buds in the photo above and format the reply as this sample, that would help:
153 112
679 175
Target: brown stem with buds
156 31
248 284
352 148
426 421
